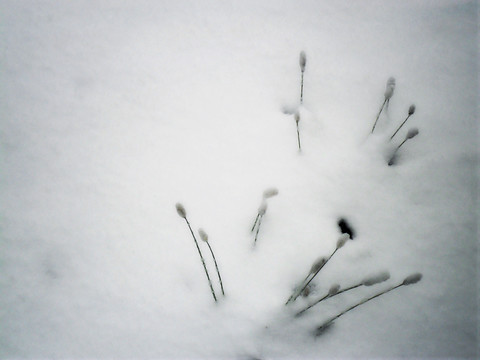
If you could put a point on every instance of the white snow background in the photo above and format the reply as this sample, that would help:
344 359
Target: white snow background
113 111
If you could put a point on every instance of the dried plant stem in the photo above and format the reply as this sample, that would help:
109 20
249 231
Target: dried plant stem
331 320
298 138
203 261
297 293
399 146
258 227
290 299
409 280
216 267
403 123
378 115
301 89
255 223
315 274
326 297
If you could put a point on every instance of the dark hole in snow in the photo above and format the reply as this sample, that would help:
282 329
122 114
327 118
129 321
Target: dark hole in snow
345 228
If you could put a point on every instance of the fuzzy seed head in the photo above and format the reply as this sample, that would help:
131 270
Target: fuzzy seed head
181 210
412 133
297 117
390 88
318 264
333 289
412 279
203 235
303 60
342 240
270 192
376 279
389 92
411 110
263 208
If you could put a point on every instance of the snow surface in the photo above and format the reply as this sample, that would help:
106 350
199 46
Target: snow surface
113 111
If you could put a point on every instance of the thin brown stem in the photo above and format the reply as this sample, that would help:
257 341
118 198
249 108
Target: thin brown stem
378 115
298 138
326 297
216 267
403 123
203 261
258 228
301 89
298 292
331 320
255 223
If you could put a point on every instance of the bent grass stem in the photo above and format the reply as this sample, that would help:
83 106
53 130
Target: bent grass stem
203 260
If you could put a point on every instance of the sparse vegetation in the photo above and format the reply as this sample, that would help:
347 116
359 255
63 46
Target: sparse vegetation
183 214
390 88
303 63
315 269
297 120
409 280
204 237
411 111
410 135
268 193
335 289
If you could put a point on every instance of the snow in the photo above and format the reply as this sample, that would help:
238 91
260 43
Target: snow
112 112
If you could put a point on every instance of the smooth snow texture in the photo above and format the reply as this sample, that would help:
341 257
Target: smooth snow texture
113 112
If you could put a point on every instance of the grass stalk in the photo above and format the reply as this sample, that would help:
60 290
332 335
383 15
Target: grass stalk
204 237
317 266
255 223
410 135
258 228
303 62
369 281
182 213
297 120
411 111
378 115
388 95
409 280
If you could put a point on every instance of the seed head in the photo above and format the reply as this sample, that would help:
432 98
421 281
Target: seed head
391 81
411 110
412 133
390 88
318 264
333 289
303 60
412 279
263 208
270 192
375 279
181 210
297 117
203 235
342 240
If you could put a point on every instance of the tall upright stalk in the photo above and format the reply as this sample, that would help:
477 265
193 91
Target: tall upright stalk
183 214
